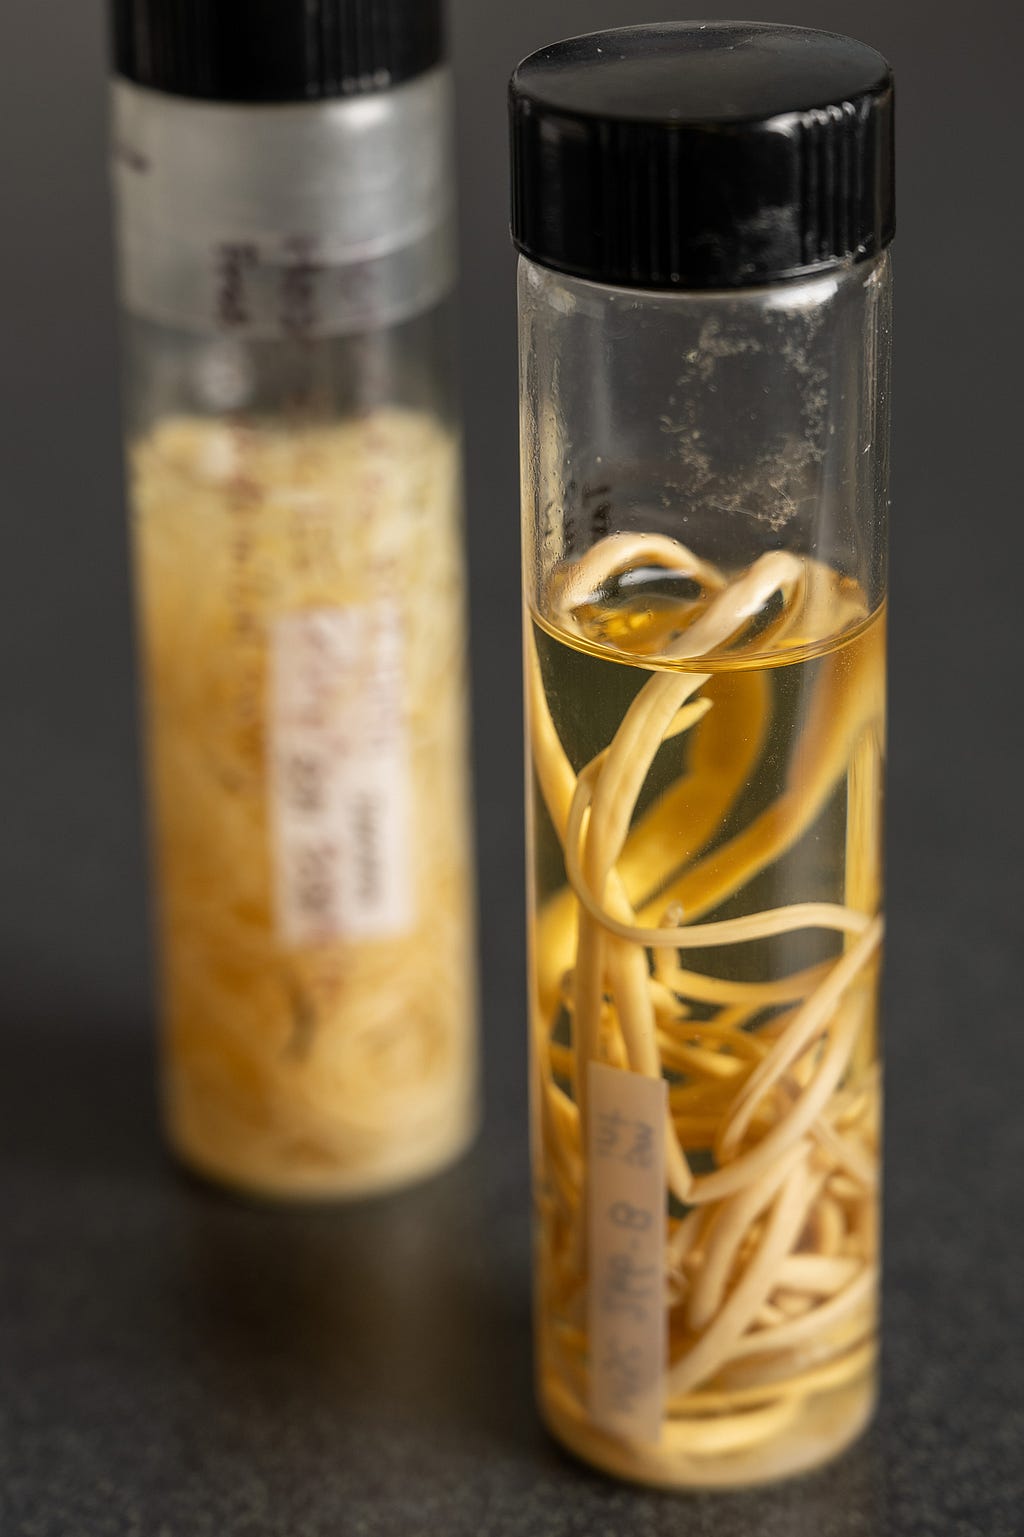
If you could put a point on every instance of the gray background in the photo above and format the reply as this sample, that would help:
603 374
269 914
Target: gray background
172 1364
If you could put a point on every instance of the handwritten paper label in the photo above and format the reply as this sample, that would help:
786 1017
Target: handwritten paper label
626 1216
340 774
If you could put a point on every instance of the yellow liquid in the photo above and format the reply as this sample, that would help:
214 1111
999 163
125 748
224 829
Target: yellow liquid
319 1065
764 799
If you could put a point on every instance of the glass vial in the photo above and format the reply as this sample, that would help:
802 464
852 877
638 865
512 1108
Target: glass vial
285 203
703 214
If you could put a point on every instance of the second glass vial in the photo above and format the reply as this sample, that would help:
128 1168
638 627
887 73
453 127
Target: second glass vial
704 296
285 214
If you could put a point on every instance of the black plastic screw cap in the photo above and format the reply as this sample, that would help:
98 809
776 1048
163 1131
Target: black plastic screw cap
275 50
702 155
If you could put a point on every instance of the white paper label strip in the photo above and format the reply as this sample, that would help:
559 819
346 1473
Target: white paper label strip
626 1232
340 775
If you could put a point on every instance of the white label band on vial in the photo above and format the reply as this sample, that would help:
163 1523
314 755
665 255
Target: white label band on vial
339 775
626 1233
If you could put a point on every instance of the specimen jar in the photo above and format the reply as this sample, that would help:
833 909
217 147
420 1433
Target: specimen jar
284 193
703 214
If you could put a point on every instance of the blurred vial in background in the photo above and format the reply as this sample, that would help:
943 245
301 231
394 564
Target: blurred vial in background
285 213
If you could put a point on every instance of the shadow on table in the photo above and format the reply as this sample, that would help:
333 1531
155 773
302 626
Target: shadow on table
412 1308
409 1313
375 1356
398 1334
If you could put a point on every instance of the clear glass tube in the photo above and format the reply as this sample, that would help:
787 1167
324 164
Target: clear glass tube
293 454
705 495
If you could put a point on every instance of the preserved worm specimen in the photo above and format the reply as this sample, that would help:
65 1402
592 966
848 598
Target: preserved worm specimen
303 645
706 751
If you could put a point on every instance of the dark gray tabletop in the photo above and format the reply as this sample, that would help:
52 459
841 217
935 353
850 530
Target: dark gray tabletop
177 1363
173 1364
